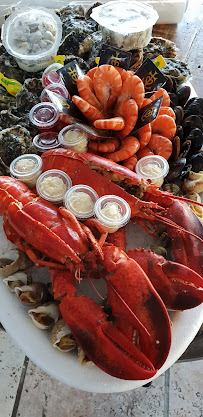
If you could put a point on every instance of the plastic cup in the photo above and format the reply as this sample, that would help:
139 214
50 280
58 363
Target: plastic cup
55 88
21 173
50 75
46 141
74 138
154 168
80 200
44 116
52 185
114 205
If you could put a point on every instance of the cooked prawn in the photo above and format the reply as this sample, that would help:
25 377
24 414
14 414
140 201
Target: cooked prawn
124 74
132 87
167 110
159 93
161 145
115 123
144 135
107 85
164 125
129 147
110 145
145 102
144 152
131 162
128 109
86 91
87 109
91 72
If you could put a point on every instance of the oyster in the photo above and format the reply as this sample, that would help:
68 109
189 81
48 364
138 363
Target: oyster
12 261
61 337
45 315
17 280
29 95
177 69
15 141
7 102
7 119
160 46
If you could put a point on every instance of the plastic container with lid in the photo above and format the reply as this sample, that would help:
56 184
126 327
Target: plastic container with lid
44 116
113 212
154 168
74 138
52 185
55 88
46 141
26 168
50 75
80 200
125 24
32 35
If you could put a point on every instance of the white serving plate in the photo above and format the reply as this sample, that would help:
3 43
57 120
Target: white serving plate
64 366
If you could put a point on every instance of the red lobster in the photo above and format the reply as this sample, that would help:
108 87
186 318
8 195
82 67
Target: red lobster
137 341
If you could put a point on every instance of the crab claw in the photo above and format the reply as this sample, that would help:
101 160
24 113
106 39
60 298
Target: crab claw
179 287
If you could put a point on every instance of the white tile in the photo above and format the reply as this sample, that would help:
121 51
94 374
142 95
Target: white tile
46 397
11 362
186 389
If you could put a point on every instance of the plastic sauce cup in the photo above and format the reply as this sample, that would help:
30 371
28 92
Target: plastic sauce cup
154 168
74 138
46 141
22 173
75 201
44 116
112 202
50 76
55 88
52 185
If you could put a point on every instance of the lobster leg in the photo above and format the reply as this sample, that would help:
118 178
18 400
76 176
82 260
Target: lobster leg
179 287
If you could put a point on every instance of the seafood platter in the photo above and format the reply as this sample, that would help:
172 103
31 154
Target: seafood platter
101 178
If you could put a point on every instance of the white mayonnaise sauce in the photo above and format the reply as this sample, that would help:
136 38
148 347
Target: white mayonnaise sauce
25 165
53 187
80 202
76 140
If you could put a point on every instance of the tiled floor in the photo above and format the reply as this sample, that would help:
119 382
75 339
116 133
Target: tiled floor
25 391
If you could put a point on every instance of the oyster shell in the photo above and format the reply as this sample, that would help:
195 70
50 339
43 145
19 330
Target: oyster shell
177 69
45 315
61 337
7 102
16 280
12 261
15 141
160 46
29 95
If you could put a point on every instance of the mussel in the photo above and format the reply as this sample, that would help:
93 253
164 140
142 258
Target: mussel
196 161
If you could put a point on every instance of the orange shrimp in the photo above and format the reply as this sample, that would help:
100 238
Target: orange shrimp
167 110
146 101
160 145
128 109
86 91
110 145
164 125
133 87
115 123
91 72
144 135
144 152
107 85
131 162
87 109
159 93
124 74
129 147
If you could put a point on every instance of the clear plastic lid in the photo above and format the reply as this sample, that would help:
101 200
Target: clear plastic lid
52 185
153 167
80 200
72 135
26 166
44 115
50 75
32 32
113 212
55 88
46 141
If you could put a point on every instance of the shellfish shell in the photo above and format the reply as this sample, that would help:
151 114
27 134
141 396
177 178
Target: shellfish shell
33 294
45 315
12 261
61 337
17 280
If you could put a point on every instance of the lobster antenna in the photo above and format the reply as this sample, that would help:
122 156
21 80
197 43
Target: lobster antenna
176 197
168 221
93 286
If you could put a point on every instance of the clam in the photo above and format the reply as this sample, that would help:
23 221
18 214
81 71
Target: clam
45 315
33 294
12 261
61 337
194 182
17 280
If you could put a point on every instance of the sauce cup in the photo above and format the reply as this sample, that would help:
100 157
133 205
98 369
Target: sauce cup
52 185
113 212
26 168
80 200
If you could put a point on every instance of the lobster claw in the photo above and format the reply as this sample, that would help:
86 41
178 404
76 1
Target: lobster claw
179 287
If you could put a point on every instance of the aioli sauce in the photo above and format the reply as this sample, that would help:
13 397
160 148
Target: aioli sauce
53 187
112 213
154 172
76 140
81 203
25 165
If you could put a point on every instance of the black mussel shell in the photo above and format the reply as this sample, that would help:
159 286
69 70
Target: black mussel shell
190 123
176 148
173 100
185 171
196 161
175 169
195 107
168 86
179 132
196 138
184 149
179 112
183 95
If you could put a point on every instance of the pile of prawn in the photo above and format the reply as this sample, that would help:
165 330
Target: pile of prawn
110 97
